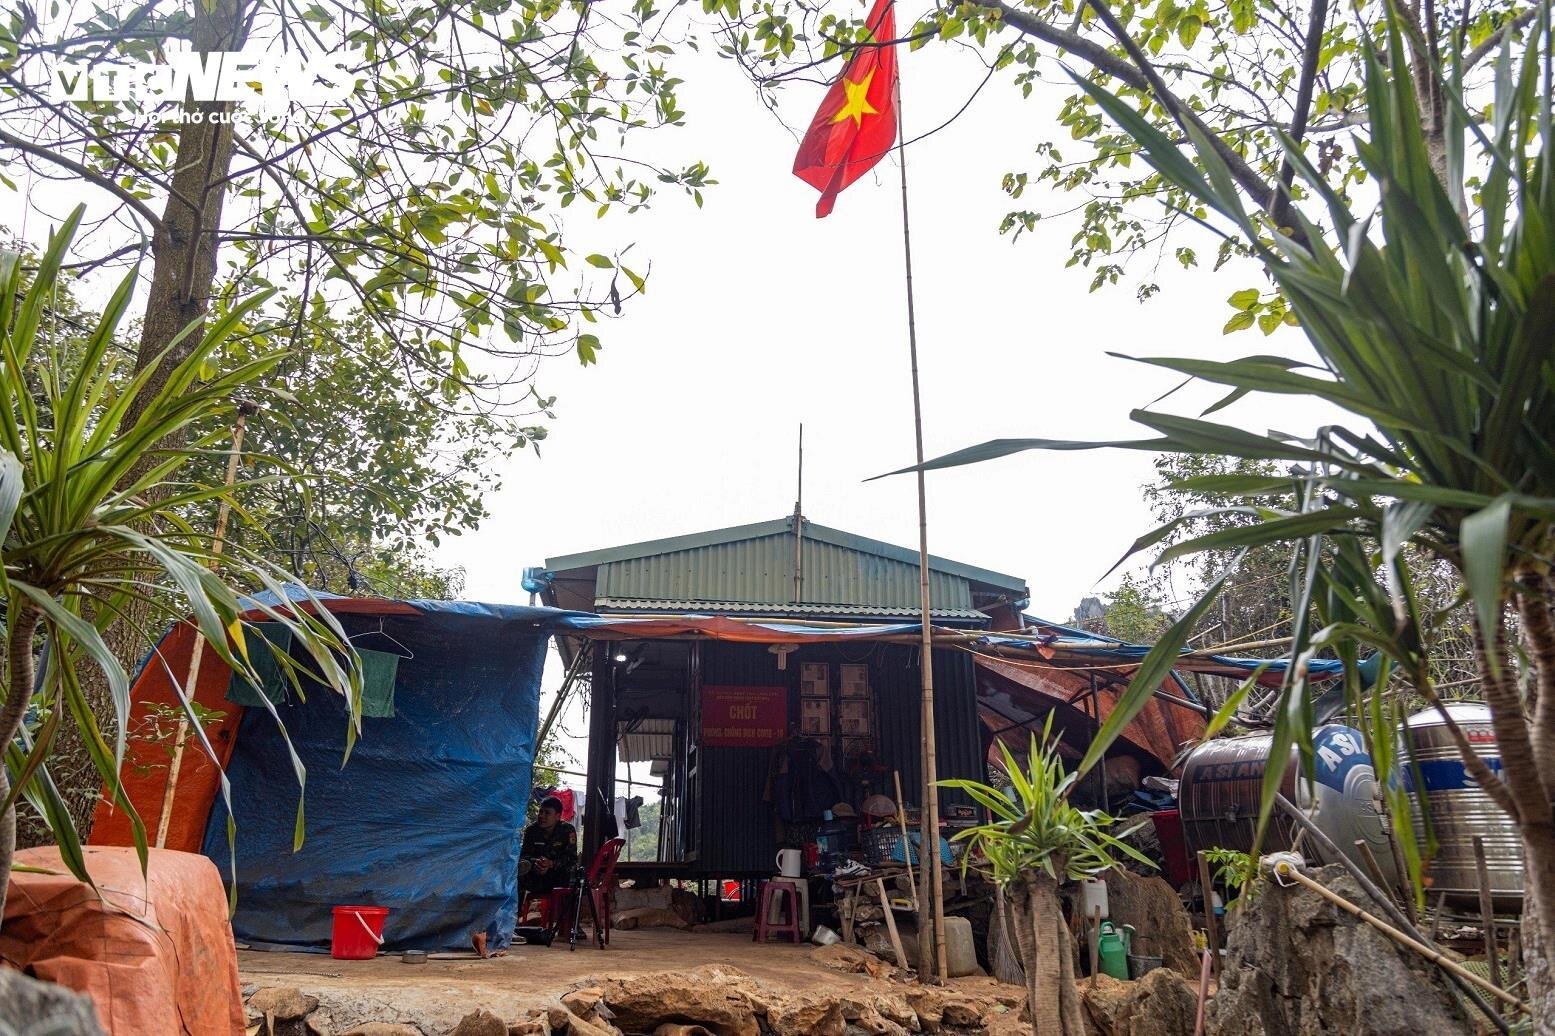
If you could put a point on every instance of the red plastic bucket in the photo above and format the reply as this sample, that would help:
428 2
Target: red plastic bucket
358 932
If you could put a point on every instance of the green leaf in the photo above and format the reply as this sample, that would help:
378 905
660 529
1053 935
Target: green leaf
1154 670
1240 322
601 262
1484 536
1247 298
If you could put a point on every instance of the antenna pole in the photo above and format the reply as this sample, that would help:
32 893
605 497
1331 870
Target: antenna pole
799 525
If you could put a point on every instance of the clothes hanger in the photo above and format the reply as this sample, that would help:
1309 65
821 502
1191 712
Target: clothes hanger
404 652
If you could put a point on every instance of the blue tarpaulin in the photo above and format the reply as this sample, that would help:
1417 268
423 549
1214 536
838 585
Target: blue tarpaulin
426 818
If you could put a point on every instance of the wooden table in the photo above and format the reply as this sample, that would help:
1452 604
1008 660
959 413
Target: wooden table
849 890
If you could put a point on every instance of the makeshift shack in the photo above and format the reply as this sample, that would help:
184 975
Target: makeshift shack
765 673
425 817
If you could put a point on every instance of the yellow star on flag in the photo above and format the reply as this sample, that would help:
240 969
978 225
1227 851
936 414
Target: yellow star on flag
857 105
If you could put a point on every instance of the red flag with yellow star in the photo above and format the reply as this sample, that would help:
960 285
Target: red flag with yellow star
856 123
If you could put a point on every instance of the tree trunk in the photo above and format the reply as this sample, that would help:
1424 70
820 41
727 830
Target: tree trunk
18 693
1047 954
183 273
1538 923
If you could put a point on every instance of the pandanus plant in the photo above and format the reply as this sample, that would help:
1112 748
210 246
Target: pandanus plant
1036 840
1431 310
99 512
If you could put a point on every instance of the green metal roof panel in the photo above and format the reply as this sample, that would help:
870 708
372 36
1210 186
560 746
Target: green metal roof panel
782 528
661 605
761 571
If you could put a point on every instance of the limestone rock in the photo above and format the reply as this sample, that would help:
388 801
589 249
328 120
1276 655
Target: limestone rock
281 1003
538 1026
28 1005
480 1022
676 1029
807 1018
872 1023
583 1001
1298 966
1160 1004
382 1029
1162 928
840 957
715 997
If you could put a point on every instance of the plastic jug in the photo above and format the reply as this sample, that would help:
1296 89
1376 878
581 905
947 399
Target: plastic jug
1112 946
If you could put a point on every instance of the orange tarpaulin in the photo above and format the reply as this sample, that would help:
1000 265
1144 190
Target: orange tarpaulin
155 954
1161 728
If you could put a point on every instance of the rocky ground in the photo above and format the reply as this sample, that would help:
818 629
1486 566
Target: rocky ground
789 991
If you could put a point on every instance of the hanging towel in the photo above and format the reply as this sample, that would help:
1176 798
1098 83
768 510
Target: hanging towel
272 681
379 669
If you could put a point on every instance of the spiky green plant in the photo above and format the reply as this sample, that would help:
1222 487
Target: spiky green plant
96 513
1432 315
1036 840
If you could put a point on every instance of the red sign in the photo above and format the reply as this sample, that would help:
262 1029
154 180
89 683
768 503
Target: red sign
744 717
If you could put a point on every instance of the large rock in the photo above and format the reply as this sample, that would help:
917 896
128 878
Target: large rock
714 997
1296 965
28 1005
480 1022
1162 928
840 957
1160 1004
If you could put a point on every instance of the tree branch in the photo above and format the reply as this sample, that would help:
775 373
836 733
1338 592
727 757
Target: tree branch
1491 42
86 173
1141 75
1312 45
1256 187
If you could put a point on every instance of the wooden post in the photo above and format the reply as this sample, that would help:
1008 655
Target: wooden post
901 817
600 783
1372 866
1211 926
890 924
1095 942
1487 913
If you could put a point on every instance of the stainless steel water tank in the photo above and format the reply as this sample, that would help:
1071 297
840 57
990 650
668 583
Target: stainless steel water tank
1222 781
1459 809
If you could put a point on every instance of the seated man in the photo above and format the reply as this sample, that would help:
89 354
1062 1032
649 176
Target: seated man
549 851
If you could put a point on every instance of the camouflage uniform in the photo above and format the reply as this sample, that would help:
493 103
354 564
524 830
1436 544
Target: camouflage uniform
559 845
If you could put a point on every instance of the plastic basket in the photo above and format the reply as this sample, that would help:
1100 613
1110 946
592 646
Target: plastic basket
884 845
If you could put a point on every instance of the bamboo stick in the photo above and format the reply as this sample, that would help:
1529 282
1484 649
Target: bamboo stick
912 879
181 738
1211 925
1487 912
1284 869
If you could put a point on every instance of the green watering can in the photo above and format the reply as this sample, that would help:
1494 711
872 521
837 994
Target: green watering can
1112 947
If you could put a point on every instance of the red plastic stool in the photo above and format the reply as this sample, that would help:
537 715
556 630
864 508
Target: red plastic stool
771 891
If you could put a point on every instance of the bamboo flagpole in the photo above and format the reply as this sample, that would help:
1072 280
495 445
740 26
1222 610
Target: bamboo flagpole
933 883
857 124
181 738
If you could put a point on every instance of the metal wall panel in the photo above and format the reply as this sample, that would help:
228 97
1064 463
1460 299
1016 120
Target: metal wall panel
737 831
761 570
958 733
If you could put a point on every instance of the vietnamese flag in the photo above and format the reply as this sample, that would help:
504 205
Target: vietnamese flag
856 123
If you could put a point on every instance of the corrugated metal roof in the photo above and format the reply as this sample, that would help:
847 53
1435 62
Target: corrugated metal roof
783 527
661 605
761 571
647 740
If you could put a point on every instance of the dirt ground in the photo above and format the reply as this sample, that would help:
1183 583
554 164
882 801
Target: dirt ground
437 994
